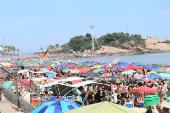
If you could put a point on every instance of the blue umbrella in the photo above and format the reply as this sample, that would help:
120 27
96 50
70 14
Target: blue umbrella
151 76
56 106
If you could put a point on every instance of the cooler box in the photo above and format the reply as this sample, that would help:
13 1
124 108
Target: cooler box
151 100
129 104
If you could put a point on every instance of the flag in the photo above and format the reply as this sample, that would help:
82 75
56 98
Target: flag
45 55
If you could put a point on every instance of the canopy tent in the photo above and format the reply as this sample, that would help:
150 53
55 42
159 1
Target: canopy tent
38 79
23 71
103 107
61 80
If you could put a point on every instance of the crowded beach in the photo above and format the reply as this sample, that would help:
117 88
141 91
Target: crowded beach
55 86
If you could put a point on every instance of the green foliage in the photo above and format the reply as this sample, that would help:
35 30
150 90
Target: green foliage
81 43
117 39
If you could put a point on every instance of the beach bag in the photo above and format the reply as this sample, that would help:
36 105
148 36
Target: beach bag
168 99
151 100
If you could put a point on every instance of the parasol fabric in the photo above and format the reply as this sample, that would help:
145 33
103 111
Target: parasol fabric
146 90
151 76
56 106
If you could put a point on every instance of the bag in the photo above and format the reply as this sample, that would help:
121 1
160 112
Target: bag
151 100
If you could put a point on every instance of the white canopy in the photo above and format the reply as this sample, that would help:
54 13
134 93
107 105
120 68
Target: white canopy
23 71
82 83
38 79
70 79
62 80
74 86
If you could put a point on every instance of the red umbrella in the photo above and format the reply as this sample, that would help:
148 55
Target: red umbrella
26 81
36 67
130 67
147 80
105 67
85 70
146 90
71 66
1 75
106 74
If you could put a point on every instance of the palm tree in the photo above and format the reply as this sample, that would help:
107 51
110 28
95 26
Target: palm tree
18 51
57 47
13 49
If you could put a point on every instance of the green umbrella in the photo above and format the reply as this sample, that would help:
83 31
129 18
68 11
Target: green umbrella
66 70
7 84
160 71
74 71
151 100
168 72
98 70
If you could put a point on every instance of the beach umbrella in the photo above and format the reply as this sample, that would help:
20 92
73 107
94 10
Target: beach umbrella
65 70
73 71
146 90
147 80
130 67
168 70
98 70
151 76
115 61
56 106
164 75
130 72
152 72
160 71
1 75
106 74
84 69
92 74
97 66
112 79
9 84
102 107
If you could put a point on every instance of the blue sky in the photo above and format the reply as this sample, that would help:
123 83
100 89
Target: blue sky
31 24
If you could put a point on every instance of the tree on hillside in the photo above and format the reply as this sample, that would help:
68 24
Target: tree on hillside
57 47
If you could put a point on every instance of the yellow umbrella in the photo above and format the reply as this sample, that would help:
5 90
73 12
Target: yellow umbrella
152 72
52 65
97 66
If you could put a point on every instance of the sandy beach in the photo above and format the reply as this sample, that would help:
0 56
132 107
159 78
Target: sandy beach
5 106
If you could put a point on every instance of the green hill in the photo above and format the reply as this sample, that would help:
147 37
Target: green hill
119 40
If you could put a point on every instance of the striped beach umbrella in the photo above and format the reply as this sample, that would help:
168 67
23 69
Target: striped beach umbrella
56 106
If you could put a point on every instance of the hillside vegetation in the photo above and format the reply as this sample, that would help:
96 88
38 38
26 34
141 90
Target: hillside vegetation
118 40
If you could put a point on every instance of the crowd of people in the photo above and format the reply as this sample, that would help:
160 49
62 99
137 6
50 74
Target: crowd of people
119 93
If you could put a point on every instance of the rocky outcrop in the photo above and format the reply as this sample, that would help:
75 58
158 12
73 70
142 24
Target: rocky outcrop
131 46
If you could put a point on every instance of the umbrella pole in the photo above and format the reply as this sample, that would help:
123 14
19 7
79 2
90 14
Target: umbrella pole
18 100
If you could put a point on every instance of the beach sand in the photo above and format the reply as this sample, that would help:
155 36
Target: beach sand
5 106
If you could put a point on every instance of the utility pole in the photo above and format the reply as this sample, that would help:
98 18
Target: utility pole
92 26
